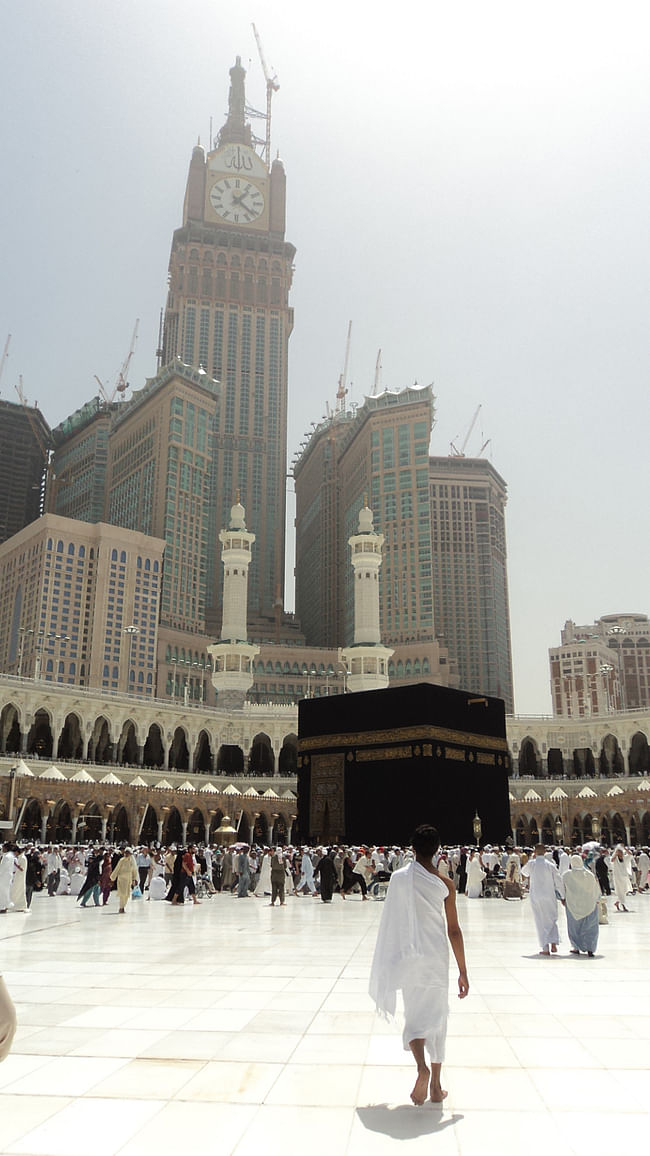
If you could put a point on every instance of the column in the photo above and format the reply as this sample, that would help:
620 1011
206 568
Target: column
104 825
160 830
184 831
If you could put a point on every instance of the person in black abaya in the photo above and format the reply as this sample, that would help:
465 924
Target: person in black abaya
177 889
462 871
327 871
90 888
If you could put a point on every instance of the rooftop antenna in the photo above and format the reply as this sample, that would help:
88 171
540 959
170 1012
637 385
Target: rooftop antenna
271 87
342 389
5 355
378 369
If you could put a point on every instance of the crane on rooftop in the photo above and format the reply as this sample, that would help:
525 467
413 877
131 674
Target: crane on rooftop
460 453
343 379
5 355
121 383
271 87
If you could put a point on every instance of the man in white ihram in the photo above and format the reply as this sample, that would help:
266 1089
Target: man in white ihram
412 953
546 885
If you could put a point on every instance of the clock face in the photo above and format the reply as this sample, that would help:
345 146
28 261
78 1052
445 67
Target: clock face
237 200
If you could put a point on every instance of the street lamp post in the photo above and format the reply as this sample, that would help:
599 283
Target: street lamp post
132 631
22 632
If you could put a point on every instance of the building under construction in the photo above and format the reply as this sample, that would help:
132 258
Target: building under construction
24 444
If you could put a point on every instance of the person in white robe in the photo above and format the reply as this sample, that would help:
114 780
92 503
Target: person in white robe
263 885
419 920
643 864
564 862
546 884
7 1020
628 858
622 881
582 893
475 876
6 877
306 874
18 892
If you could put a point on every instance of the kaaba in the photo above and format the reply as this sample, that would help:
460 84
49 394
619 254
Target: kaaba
374 765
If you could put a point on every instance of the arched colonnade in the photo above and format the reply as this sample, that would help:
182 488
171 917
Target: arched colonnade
112 736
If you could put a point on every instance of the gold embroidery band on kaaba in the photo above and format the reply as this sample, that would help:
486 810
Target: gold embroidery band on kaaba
378 754
404 735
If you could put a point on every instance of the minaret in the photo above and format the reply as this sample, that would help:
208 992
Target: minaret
233 656
367 659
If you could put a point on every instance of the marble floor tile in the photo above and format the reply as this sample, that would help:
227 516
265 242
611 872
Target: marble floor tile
104 1126
17 1118
307 1086
231 1081
67 1076
180 1126
296 1129
145 1079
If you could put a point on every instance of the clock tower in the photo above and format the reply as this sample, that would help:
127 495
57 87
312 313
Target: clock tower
228 314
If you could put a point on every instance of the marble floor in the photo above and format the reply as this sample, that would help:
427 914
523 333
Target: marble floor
236 1028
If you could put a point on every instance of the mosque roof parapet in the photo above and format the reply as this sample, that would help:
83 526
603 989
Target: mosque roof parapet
354 418
175 368
83 417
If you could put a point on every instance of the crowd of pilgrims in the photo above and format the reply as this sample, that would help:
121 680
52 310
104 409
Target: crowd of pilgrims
186 874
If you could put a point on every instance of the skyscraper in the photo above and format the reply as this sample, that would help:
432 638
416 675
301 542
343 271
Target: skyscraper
79 605
379 450
228 312
78 469
24 441
159 479
470 577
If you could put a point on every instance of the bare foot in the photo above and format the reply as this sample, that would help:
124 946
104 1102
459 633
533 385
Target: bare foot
419 1093
554 948
437 1094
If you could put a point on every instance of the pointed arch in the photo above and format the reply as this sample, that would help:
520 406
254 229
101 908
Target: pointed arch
40 740
203 760
288 760
153 754
179 755
260 758
100 747
70 744
10 732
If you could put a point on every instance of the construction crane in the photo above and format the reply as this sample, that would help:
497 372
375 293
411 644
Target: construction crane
460 453
343 379
121 384
378 369
5 355
271 87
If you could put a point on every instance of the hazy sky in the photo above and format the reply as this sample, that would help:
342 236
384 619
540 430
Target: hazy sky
470 186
